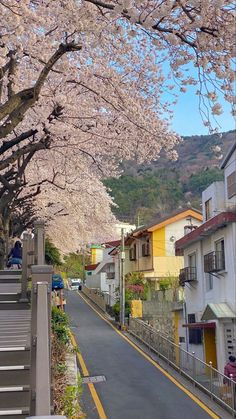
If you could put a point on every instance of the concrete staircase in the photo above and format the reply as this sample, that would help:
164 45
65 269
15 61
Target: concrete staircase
15 318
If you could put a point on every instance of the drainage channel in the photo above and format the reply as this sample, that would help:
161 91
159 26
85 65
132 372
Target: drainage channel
94 379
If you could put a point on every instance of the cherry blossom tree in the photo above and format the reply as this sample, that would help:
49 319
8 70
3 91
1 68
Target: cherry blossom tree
81 88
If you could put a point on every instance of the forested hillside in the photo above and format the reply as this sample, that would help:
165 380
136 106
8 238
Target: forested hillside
145 191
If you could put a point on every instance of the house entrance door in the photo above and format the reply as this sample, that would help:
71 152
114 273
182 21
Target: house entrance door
210 347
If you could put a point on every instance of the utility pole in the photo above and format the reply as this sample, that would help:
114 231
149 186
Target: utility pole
122 281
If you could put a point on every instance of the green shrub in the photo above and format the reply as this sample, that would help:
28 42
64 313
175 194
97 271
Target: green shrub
60 325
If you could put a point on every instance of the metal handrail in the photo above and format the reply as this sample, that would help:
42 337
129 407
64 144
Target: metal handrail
214 261
218 386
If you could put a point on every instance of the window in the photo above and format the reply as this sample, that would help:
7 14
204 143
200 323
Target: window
132 253
209 282
220 254
191 318
146 249
208 209
192 260
231 185
194 335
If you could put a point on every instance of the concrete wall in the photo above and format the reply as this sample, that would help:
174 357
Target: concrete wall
95 296
98 281
230 168
167 266
215 192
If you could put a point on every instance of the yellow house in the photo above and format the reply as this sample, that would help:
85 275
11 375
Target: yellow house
152 248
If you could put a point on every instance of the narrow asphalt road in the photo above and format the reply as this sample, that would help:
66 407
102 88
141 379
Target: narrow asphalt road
134 388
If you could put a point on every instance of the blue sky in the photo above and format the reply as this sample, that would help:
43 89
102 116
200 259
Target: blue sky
187 120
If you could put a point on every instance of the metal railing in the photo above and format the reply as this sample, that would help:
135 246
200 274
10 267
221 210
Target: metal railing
214 262
187 274
203 375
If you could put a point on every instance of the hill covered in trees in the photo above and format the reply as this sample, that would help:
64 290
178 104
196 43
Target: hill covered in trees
145 191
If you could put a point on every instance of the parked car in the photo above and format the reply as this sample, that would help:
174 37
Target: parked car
75 284
57 282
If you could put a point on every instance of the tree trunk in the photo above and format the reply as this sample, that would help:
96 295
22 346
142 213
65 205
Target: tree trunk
2 243
4 237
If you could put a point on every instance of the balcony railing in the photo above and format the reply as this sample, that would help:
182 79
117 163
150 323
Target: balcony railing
214 262
187 274
110 275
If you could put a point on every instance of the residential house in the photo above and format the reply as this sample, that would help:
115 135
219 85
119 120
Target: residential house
151 249
100 273
209 273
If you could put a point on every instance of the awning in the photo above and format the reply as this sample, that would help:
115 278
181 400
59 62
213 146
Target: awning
218 311
200 325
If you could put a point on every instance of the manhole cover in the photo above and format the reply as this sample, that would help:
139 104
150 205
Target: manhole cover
96 379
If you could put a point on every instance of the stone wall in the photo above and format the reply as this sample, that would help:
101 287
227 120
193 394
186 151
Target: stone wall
159 312
160 316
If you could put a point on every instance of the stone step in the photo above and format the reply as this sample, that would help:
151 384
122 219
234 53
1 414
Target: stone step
14 413
14 395
10 272
13 304
15 375
9 296
10 288
10 280
14 327
14 355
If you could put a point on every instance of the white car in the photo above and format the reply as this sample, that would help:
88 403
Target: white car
75 284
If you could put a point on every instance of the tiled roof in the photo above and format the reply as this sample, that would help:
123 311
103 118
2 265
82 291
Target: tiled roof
162 221
91 267
113 243
205 229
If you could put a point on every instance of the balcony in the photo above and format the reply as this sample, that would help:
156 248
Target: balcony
214 262
187 274
110 275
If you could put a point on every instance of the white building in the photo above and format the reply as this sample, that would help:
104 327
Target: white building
101 273
209 275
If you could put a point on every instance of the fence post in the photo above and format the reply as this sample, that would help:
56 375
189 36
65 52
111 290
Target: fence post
39 242
24 280
211 375
194 367
180 357
40 273
30 255
232 383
